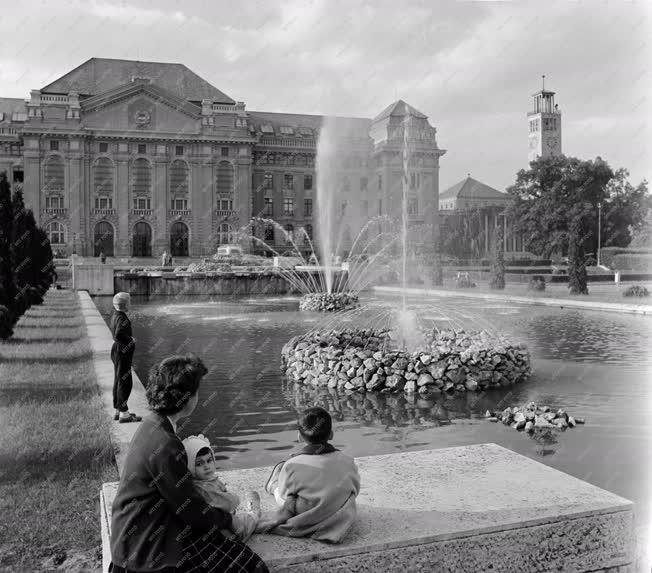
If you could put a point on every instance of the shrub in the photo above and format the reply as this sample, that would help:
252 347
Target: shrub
632 262
609 254
6 323
537 282
636 290
464 281
577 279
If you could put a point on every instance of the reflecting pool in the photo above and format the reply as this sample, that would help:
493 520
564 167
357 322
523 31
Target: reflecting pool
595 365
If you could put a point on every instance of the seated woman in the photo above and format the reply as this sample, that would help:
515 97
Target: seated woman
160 522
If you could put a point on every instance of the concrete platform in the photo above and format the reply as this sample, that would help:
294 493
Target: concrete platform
472 508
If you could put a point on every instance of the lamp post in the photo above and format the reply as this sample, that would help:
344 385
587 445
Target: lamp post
599 229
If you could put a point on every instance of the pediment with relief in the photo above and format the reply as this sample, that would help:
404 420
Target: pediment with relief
140 107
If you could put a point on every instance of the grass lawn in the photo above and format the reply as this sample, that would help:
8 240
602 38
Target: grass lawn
55 451
598 292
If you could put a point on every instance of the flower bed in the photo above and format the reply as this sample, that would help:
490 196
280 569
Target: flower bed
325 302
366 360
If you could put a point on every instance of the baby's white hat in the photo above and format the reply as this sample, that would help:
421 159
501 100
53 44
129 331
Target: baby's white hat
193 444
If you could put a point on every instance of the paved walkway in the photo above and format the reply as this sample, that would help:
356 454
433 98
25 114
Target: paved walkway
101 341
555 302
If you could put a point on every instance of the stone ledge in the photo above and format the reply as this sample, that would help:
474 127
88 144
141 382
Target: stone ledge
463 509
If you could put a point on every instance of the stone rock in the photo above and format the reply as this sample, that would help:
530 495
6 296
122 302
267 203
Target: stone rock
579 420
529 426
571 422
425 379
395 382
449 387
426 359
561 423
436 371
411 376
549 416
460 387
529 416
471 384
541 422
520 417
378 356
400 364
332 383
370 364
357 382
351 372
545 409
410 387
487 414
419 367
349 386
493 419
424 390
520 424
561 413
377 381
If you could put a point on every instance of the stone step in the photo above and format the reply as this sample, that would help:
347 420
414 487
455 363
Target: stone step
471 508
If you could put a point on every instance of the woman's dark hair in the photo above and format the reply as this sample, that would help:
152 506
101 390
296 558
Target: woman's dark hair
173 382
315 425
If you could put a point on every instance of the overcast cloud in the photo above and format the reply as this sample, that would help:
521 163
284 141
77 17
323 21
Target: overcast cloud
470 67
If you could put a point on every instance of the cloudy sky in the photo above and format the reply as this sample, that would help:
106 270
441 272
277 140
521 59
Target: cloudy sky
470 67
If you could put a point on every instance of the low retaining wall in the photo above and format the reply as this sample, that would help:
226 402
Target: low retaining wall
364 361
478 508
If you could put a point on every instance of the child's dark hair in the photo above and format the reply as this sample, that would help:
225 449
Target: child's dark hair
315 425
203 452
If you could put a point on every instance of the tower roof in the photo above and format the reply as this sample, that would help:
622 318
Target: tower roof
470 188
399 109
99 75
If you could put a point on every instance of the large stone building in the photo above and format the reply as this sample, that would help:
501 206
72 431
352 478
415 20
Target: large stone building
134 158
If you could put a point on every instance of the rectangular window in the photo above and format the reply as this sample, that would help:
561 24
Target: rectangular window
224 151
413 206
307 181
288 207
307 207
142 203
268 181
54 146
178 150
288 180
103 203
269 207
54 202
226 205
364 182
104 147
142 148
179 204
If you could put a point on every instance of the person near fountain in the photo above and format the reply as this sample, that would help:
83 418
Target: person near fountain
160 522
122 354
201 464
316 487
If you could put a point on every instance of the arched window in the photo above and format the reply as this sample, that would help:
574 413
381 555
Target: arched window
141 177
54 174
179 239
103 239
142 240
224 178
178 178
225 234
289 233
56 233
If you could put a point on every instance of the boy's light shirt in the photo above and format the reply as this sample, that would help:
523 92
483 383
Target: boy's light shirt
280 500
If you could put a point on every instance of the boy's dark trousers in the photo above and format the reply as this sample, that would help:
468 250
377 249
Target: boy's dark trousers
122 380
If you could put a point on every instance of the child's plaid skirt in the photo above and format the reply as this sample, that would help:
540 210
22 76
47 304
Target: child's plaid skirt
216 555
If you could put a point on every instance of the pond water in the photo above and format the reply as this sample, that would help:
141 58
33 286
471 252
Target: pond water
595 365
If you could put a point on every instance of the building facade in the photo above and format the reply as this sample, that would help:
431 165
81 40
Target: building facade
136 158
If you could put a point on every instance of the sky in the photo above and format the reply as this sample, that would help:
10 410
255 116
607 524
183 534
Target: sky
471 67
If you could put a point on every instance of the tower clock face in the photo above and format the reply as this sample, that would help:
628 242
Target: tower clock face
551 142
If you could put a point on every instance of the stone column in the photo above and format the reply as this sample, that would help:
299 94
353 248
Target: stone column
202 206
77 218
160 238
122 208
32 173
242 195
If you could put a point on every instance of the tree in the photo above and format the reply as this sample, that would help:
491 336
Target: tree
22 258
642 234
461 233
498 260
551 194
43 262
577 279
7 289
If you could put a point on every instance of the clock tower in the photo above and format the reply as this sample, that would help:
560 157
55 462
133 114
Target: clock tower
544 123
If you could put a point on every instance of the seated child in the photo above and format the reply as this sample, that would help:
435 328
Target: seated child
316 488
201 464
